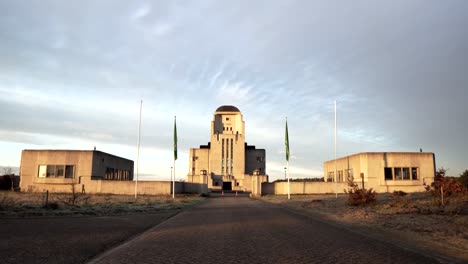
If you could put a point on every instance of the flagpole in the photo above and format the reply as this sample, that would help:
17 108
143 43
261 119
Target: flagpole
289 188
336 175
173 183
138 149
286 141
175 157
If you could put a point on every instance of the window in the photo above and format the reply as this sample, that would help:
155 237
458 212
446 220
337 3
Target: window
414 173
340 176
59 171
406 175
388 174
330 176
222 148
42 171
50 170
227 118
56 171
117 175
398 173
401 174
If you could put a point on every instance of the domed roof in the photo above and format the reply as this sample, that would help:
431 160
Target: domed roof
227 108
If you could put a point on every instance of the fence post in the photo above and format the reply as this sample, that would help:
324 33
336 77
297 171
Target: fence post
442 194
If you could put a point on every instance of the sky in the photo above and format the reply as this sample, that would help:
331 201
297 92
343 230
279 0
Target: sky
72 74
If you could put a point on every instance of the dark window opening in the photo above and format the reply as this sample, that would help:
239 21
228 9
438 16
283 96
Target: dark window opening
69 171
388 174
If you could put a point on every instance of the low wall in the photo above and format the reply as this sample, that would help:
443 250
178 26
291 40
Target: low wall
303 187
121 187
190 187
144 187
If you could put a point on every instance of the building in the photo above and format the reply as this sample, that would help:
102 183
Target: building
65 171
227 162
58 169
384 171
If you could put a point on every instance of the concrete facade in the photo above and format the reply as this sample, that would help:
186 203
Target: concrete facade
384 171
90 172
227 162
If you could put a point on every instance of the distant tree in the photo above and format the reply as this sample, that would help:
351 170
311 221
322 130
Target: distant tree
7 171
301 180
8 179
464 179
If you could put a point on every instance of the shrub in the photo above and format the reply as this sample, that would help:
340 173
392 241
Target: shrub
399 193
358 196
52 206
464 179
443 189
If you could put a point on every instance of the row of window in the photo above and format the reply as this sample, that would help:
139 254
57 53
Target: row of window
341 177
117 175
56 171
401 173
397 173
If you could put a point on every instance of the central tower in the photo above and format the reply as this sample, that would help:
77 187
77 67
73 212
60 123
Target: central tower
228 142
227 162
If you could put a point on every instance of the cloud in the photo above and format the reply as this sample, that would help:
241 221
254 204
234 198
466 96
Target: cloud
398 72
140 12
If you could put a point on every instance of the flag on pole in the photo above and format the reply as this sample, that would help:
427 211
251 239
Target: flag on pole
175 139
286 141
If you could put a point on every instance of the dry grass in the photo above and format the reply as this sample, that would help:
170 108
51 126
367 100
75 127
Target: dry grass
413 216
14 204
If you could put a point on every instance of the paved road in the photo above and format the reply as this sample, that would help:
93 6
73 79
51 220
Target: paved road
242 230
70 240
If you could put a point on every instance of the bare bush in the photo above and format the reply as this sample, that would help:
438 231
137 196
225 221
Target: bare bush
358 196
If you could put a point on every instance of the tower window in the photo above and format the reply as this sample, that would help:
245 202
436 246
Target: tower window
227 118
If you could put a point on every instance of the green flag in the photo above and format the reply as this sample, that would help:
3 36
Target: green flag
286 141
175 139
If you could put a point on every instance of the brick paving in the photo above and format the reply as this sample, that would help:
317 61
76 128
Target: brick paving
69 240
243 230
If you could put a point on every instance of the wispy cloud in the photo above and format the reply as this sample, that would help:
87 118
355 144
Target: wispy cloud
76 72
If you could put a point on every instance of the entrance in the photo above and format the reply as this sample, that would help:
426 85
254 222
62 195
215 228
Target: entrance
227 186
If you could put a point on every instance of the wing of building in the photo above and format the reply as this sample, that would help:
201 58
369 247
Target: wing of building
384 171
227 162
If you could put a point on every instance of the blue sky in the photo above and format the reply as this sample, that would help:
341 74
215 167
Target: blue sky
72 74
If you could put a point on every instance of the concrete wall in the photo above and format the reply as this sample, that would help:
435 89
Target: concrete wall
281 188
